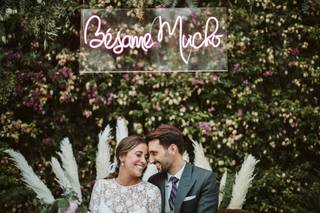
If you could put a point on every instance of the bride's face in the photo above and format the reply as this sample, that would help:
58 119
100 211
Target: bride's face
135 161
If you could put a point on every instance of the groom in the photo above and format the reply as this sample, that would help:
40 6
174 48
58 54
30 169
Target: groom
184 187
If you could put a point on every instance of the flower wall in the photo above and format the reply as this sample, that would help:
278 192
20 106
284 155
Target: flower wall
267 104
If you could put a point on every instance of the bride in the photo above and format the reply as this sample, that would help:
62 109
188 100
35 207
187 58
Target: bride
123 190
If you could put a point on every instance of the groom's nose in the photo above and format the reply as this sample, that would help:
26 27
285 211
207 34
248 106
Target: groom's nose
151 159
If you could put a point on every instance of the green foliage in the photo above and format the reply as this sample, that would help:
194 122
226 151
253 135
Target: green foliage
310 202
228 191
266 105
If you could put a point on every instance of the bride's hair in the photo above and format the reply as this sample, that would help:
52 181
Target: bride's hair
125 146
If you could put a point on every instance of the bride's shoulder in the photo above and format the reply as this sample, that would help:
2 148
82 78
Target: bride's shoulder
102 182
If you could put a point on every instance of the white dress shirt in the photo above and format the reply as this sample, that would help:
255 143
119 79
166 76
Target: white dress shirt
169 187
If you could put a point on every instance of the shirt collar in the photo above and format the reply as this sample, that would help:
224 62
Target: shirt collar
178 174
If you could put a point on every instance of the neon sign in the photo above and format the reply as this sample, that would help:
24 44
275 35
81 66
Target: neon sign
185 37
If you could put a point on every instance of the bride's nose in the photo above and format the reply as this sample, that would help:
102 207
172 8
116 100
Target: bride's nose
143 160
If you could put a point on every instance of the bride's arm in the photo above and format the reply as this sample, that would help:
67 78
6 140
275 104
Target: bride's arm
95 197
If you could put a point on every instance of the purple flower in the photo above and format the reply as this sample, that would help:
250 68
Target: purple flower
101 100
125 77
136 78
197 82
236 66
156 45
267 73
295 51
110 99
215 78
65 72
13 56
245 82
18 89
206 127
193 20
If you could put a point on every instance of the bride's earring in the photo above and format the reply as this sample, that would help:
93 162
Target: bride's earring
122 163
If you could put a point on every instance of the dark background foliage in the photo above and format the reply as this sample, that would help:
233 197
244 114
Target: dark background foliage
266 105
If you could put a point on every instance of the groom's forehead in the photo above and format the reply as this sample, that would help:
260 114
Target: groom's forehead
155 143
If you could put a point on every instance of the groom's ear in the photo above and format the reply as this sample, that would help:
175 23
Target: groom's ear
173 149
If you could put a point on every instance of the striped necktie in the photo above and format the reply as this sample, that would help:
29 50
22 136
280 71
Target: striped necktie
172 198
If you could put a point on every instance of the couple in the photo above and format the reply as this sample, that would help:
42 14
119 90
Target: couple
183 187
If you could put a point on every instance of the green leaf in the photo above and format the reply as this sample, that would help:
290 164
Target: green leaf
81 209
228 191
63 203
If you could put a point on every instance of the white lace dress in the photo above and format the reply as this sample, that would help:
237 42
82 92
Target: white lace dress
110 197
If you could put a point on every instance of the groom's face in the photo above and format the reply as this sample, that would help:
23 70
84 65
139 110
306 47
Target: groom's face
158 154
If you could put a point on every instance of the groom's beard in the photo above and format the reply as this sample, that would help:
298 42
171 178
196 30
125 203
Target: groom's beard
165 163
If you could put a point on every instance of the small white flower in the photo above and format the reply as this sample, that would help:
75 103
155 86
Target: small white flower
9 11
119 209
129 203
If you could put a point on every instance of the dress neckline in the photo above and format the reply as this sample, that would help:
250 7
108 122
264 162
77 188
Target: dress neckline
129 186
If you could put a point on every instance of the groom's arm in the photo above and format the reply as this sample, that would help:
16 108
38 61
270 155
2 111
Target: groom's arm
208 201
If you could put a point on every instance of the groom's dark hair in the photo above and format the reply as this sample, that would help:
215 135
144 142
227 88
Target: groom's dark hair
167 135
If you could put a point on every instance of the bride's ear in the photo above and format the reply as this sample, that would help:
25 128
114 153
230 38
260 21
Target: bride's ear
122 158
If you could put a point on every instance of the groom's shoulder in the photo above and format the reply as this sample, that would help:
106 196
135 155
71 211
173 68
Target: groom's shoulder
197 169
157 177
200 172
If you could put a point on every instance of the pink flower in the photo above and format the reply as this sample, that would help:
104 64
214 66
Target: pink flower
197 82
101 100
245 82
156 45
267 73
136 78
206 127
236 66
126 77
110 99
73 206
295 51
215 78
65 72
87 113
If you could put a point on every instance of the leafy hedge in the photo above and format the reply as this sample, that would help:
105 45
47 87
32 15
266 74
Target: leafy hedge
267 104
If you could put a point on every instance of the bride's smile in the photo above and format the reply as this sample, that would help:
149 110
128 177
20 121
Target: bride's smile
135 161
126 192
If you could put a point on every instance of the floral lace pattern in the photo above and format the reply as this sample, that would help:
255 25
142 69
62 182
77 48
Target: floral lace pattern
120 198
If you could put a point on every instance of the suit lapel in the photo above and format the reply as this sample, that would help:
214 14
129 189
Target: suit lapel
163 190
185 184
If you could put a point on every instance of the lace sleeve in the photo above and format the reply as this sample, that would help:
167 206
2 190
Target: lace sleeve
95 197
154 200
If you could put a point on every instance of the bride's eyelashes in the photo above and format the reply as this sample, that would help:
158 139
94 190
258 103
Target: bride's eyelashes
140 155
